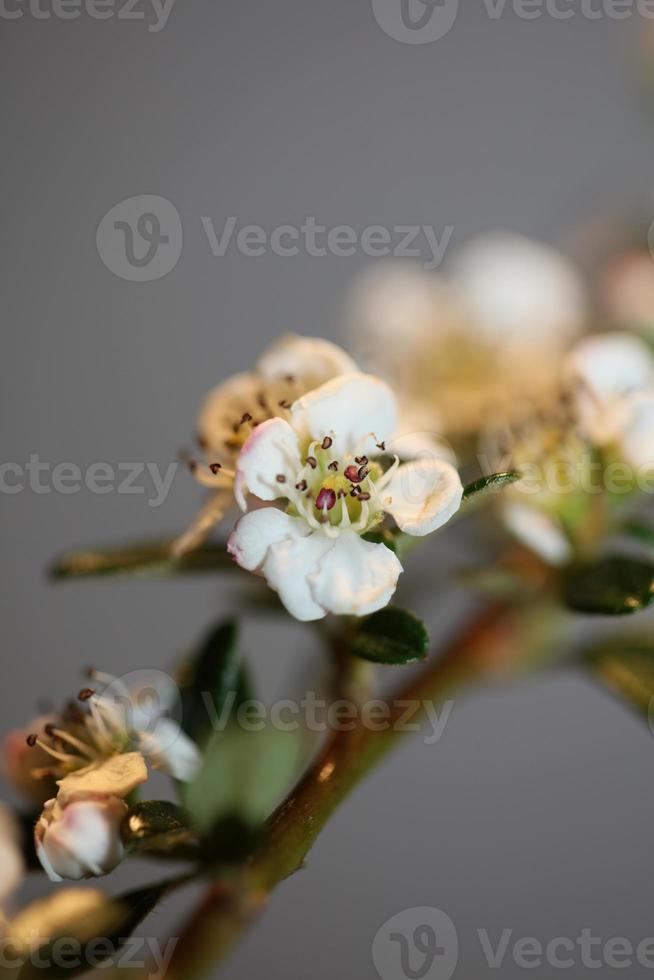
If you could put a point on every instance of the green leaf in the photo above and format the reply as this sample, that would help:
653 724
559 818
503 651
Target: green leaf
390 636
612 587
244 775
626 668
160 828
213 681
94 938
150 559
489 483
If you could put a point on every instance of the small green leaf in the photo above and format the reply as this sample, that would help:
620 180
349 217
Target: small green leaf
213 681
150 559
626 668
488 483
390 636
244 775
613 587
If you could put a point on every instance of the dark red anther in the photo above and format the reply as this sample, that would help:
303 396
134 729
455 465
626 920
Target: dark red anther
302 485
382 446
333 466
312 462
284 403
326 499
363 496
363 472
327 442
215 467
352 474
280 478
361 460
31 740
86 693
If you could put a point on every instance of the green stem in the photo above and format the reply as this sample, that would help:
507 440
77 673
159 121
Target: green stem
226 912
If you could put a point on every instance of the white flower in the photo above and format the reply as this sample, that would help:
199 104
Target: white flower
126 722
79 836
519 291
488 332
612 380
290 367
323 463
541 532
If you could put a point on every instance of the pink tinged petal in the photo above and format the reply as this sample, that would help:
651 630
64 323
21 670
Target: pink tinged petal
541 533
308 360
356 410
290 569
637 442
271 451
258 531
354 577
424 495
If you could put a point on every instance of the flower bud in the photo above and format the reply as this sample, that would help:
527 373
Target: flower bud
80 837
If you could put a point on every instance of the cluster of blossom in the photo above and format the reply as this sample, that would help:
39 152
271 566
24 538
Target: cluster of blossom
328 462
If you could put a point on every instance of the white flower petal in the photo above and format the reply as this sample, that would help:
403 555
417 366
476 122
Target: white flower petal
356 410
117 776
611 364
519 290
395 303
539 532
80 837
424 495
289 570
310 361
168 748
271 451
637 441
602 371
355 577
257 531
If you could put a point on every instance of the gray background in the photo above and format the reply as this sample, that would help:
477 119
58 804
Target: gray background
535 811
